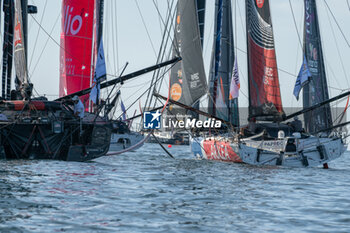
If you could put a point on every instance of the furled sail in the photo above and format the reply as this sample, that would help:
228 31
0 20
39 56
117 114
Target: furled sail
222 63
19 45
76 46
316 90
187 79
264 90
8 8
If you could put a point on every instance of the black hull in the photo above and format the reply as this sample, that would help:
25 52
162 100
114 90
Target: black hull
52 134
171 141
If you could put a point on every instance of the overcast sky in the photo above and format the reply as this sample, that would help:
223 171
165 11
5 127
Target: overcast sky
126 40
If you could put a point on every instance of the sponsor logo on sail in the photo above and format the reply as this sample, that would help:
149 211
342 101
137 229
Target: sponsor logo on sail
72 24
260 3
175 91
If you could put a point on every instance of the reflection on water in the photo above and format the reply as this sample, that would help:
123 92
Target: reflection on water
146 191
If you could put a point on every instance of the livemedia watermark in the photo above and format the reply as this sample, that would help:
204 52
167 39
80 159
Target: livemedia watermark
156 120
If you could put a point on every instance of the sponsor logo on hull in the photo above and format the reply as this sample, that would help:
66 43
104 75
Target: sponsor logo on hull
216 150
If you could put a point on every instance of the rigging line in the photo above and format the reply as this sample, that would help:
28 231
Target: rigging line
164 45
170 9
160 77
162 80
159 21
113 3
208 40
116 37
144 24
235 29
160 55
337 46
348 4
61 47
338 89
37 35
147 88
47 40
279 69
341 31
240 16
295 24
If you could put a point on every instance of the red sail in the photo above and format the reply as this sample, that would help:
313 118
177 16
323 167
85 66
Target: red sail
264 89
76 45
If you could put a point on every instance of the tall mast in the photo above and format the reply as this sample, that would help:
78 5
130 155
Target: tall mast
222 63
24 7
316 91
100 21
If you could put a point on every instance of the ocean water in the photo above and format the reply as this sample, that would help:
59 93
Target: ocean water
147 191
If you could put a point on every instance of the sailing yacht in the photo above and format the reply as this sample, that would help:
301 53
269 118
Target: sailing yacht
268 140
35 128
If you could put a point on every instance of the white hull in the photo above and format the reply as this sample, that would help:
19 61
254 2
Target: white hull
289 152
310 152
121 142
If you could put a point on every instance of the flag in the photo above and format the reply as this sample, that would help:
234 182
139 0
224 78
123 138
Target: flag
95 91
100 74
123 109
235 84
302 79
100 71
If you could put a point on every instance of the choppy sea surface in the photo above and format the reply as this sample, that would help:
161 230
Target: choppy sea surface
147 191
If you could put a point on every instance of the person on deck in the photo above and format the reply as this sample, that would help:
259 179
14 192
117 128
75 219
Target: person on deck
78 107
79 111
297 125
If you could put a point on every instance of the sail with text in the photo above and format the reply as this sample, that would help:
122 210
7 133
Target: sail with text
222 63
187 78
20 58
264 89
76 46
316 90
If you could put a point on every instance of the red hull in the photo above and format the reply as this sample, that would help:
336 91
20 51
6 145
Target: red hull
220 150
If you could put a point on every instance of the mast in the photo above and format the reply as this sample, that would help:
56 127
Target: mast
316 91
100 10
222 63
264 90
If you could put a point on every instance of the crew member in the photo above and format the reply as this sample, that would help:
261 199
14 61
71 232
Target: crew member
297 125
78 111
78 107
